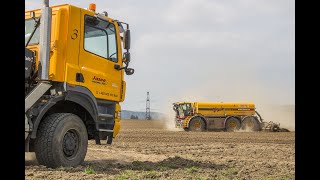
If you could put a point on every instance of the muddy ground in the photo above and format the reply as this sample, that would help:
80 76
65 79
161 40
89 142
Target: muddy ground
146 150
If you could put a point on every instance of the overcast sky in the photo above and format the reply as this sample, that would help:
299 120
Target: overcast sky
205 50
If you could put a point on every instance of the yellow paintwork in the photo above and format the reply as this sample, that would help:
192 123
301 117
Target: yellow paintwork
226 108
219 109
185 123
117 118
68 56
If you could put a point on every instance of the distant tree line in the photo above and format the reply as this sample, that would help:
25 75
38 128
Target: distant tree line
134 117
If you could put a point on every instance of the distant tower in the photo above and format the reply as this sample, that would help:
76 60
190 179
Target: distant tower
148 116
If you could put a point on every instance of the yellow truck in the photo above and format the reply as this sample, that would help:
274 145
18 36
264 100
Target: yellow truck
228 116
75 60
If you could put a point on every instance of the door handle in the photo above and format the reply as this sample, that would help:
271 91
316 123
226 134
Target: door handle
79 77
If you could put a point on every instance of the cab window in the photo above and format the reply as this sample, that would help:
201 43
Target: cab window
100 38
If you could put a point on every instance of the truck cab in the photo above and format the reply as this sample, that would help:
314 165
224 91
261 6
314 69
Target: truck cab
75 64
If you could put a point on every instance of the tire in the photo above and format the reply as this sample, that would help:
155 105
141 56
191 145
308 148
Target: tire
250 123
62 140
232 124
197 124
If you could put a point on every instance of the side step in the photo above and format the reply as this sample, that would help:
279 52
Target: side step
102 133
104 130
103 117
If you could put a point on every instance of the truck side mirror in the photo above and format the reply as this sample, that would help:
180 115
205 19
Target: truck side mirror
129 71
126 57
126 39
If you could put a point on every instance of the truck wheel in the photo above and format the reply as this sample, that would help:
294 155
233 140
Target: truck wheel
232 124
196 124
62 140
250 123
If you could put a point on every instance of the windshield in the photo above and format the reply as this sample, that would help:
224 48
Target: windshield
28 28
183 110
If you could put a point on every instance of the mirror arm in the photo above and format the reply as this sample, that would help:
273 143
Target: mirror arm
125 67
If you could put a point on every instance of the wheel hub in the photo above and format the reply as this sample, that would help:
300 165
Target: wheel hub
232 125
70 143
197 125
250 124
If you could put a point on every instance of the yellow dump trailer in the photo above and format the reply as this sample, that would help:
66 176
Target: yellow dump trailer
229 116
225 109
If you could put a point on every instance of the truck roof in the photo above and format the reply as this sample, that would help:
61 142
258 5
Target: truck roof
56 8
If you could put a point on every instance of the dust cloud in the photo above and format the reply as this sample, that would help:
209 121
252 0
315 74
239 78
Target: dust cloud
169 118
244 130
283 114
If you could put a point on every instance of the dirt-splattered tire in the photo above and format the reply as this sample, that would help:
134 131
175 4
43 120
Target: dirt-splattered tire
232 124
250 123
197 124
62 140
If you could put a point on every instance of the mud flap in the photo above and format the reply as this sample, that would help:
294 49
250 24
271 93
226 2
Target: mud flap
97 139
26 127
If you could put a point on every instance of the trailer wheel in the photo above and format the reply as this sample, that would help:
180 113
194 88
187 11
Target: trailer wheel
62 140
250 123
232 124
196 124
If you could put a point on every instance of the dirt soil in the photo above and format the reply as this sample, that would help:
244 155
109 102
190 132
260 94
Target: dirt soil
146 150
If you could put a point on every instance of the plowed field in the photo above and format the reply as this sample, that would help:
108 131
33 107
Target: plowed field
146 150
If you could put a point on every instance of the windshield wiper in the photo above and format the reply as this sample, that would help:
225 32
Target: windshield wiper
34 30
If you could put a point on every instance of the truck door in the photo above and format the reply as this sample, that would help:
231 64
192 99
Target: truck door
99 52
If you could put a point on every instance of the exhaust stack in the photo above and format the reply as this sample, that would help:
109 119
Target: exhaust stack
45 36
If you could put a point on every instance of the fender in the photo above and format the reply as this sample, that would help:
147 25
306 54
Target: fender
246 117
87 102
42 112
187 121
255 117
78 95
